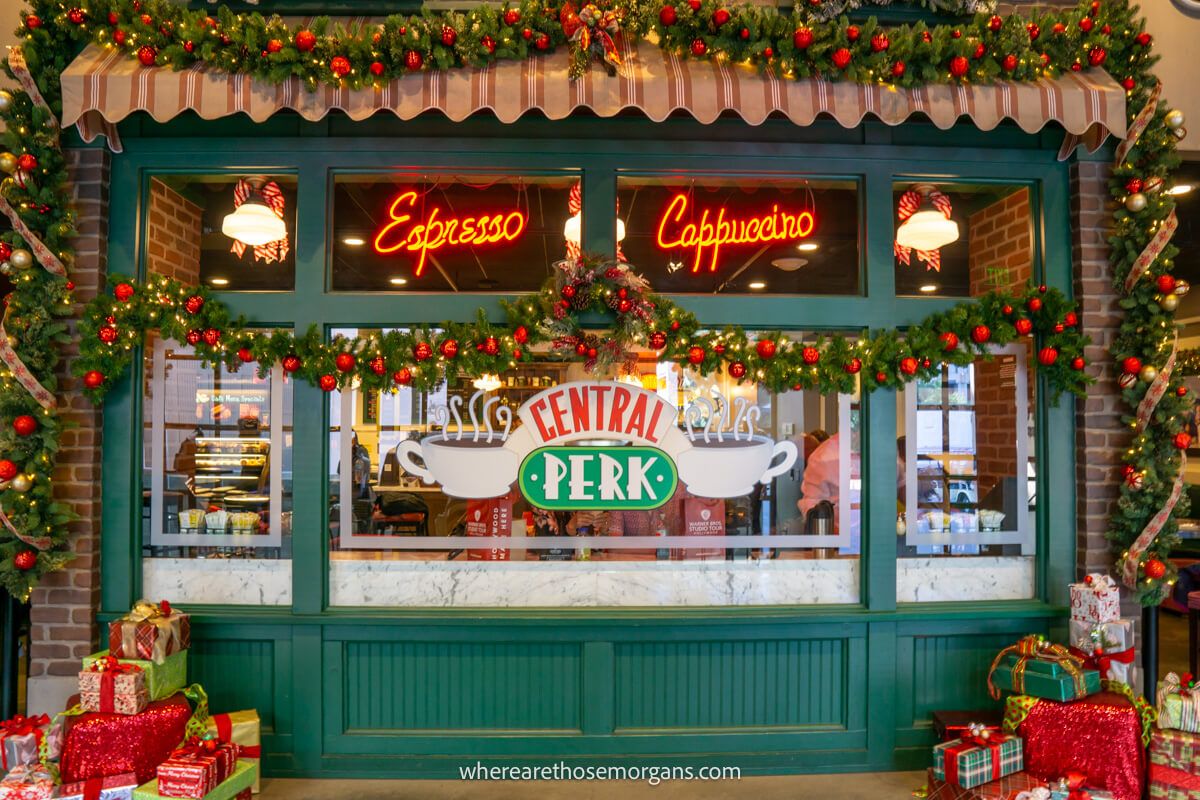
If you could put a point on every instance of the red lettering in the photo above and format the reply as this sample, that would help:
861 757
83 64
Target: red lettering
579 408
535 409
652 429
621 398
637 417
707 238
558 412
600 391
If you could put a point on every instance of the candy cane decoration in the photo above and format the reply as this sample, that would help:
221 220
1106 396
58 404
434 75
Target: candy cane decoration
910 203
272 196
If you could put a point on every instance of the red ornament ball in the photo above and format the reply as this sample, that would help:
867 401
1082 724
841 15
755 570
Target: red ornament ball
194 336
811 355
768 53
291 363
27 162
745 33
76 16
92 379
1059 327
113 18
1181 391
667 16
274 46
695 355
624 306
327 383
378 365
881 377
1035 304
402 377
802 38
1165 283
107 334
956 33
25 560
1034 31
491 346
345 362
1127 84
719 348
521 334
926 37
853 366
512 16
1097 56
898 69
33 22
592 352
448 348
147 55
1155 569
1132 364
449 36
1078 363
879 43
959 66
422 351
980 51
516 353
1023 326
24 425
1047 356
908 365
737 370
123 291
852 33
569 291
658 340
699 48
8 470
1182 441
193 304
489 44
1086 24
1076 67
527 34
1070 319
765 348
211 336
949 340
119 36
376 68
1143 39
841 58
339 66
305 40
245 355
1134 185
413 60
146 19
981 334
720 17
1007 311
995 23
542 42
1009 63
581 348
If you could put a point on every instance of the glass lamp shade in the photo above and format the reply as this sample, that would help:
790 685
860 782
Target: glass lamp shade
927 230
573 234
254 224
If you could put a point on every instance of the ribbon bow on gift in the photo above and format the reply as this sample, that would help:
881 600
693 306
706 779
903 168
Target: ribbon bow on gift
112 664
1099 582
195 747
1174 684
1102 660
591 33
1036 647
21 726
1073 784
980 734
145 611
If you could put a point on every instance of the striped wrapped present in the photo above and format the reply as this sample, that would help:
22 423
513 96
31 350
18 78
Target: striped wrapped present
1175 749
976 760
1178 703
1167 783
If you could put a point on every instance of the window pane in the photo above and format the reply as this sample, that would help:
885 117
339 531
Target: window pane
216 481
187 230
962 240
798 533
741 234
463 233
968 486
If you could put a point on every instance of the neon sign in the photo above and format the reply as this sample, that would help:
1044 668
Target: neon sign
436 233
712 232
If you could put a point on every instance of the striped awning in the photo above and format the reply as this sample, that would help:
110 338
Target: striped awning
102 87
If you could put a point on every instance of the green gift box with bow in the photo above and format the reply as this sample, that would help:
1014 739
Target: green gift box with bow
1038 668
162 680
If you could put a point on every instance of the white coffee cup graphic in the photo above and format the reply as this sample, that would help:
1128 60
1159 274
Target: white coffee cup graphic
473 467
729 463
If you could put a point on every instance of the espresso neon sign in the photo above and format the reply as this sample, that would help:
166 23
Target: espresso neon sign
716 229
404 232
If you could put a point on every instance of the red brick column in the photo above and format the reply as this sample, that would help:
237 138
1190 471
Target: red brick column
64 607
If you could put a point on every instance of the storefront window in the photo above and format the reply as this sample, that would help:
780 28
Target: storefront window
452 233
695 527
962 239
191 221
968 485
741 234
216 481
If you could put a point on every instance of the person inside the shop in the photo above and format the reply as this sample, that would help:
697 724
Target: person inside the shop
821 488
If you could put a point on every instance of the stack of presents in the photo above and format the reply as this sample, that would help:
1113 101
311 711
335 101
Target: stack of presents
136 730
1073 725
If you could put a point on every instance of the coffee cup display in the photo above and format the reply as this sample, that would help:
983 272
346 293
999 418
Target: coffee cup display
472 466
190 519
728 463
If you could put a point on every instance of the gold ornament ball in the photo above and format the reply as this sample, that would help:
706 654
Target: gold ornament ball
8 163
21 258
1174 119
1182 287
1136 202
1148 373
21 483
1169 302
6 100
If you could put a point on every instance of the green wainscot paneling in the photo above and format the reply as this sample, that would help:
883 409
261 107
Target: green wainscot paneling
739 684
236 673
444 686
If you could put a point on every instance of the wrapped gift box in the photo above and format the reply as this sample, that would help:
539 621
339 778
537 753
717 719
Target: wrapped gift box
162 680
1099 736
1115 635
1178 706
971 762
116 702
1175 749
1006 788
113 687
27 782
98 745
236 787
150 632
1096 599
188 775
1037 677
1167 783
114 787
20 738
949 725
243 729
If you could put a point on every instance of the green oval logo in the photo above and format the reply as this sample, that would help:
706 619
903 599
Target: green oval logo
598 478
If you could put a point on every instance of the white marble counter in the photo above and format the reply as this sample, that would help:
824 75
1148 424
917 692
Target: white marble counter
950 578
222 581
574 584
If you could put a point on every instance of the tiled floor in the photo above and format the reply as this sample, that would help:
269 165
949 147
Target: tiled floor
867 786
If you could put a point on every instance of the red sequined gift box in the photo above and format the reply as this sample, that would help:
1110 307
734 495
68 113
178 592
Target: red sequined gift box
98 745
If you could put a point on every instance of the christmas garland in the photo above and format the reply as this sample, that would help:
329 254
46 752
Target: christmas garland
115 324
814 40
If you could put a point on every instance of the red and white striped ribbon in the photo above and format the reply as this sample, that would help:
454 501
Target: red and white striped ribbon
1158 387
36 542
272 196
910 203
1129 567
42 253
44 398
1139 123
20 69
1152 250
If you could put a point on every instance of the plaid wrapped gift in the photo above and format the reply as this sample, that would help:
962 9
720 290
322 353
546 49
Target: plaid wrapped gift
1097 599
975 760
27 782
162 680
20 738
112 687
243 729
1175 749
150 632
115 787
1178 704
1167 783
1010 787
1034 666
237 787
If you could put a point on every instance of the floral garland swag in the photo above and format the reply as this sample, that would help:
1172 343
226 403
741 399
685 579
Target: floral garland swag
815 40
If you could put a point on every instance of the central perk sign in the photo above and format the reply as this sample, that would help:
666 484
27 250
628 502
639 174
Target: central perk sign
598 478
715 229
423 237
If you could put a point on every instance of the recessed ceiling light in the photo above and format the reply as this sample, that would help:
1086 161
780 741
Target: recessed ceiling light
929 287
397 281
789 264
758 285
354 241
219 281
1180 188
807 247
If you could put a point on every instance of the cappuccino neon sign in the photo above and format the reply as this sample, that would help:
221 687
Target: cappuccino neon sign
404 232
714 229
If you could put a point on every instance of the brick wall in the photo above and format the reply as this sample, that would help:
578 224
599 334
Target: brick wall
63 608
173 243
1099 436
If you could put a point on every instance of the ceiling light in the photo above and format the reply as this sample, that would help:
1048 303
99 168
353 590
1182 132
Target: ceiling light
929 288
789 264
487 382
758 285
807 247
219 281
354 241
572 231
254 224
397 281
927 230
1180 188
